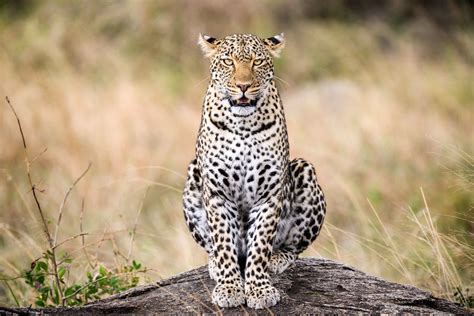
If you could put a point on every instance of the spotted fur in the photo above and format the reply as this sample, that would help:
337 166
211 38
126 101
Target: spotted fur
251 208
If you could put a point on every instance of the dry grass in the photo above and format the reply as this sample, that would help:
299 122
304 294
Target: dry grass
380 111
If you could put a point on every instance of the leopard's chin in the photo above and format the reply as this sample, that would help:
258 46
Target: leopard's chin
243 107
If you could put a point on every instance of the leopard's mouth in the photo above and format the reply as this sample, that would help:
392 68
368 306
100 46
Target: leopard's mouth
243 102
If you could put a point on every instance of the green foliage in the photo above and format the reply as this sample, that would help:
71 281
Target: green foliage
97 284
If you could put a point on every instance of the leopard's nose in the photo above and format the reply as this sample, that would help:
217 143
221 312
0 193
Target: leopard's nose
243 87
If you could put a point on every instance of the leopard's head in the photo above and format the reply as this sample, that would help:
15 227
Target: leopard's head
242 67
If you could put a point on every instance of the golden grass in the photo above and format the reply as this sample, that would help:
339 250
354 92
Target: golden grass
380 113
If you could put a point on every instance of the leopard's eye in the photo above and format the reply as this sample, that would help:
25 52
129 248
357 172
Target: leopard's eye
258 62
228 61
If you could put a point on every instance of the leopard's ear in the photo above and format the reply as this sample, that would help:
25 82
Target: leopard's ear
208 44
275 44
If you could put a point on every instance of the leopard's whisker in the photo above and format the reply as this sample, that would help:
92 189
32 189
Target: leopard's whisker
200 82
286 83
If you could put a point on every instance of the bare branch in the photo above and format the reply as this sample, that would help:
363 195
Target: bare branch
32 185
18 121
38 205
61 207
69 239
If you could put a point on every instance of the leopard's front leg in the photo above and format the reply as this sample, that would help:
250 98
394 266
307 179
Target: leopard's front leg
223 226
258 290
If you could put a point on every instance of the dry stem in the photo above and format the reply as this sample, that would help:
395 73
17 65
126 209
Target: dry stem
83 239
32 185
132 237
38 204
61 208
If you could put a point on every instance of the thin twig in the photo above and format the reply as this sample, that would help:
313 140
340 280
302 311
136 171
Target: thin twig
58 222
61 207
11 279
12 293
38 204
117 253
28 163
132 237
69 239
39 155
83 238
18 121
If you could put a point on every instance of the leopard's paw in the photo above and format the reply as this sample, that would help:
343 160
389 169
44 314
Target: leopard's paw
281 261
228 295
263 296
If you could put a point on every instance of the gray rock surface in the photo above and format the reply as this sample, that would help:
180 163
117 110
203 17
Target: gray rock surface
311 286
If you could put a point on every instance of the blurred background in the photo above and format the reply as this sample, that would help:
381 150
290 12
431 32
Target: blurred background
379 96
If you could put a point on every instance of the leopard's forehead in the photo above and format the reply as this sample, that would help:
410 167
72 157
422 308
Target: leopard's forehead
243 47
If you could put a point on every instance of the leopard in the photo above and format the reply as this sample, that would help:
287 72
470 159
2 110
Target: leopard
251 208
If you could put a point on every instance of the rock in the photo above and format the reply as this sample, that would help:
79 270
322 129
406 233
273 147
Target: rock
311 286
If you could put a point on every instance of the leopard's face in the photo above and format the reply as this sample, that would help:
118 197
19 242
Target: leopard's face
241 68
